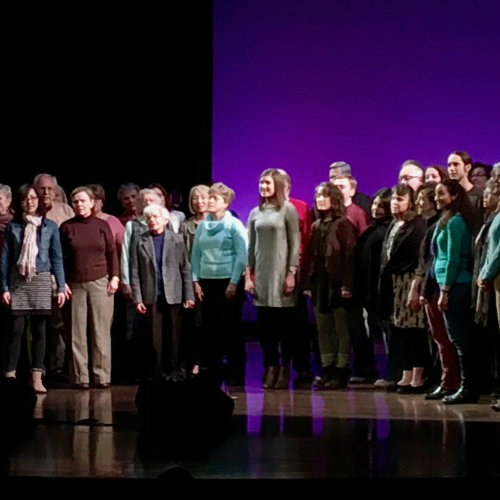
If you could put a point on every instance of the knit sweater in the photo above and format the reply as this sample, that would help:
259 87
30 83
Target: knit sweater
491 266
220 249
89 250
453 255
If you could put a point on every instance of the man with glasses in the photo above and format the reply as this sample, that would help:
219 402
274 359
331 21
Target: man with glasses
411 174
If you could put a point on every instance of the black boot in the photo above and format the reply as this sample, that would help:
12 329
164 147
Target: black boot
339 379
467 393
327 373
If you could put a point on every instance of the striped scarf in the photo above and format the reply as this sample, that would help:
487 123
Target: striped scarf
26 263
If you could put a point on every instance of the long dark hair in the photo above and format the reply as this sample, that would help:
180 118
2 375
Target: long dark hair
21 194
336 197
443 173
279 187
429 191
460 205
385 197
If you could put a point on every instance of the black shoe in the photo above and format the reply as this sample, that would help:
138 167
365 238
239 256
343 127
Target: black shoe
338 380
236 382
439 393
303 378
496 406
403 389
462 396
326 375
419 389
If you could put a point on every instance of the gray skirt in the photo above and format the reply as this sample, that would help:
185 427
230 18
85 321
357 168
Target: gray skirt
32 297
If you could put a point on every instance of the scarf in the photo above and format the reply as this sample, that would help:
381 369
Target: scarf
26 263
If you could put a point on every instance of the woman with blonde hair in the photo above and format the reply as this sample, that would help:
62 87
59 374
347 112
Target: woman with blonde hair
218 261
198 206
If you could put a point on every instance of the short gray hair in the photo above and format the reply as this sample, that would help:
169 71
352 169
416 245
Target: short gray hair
39 177
129 186
6 190
150 208
345 168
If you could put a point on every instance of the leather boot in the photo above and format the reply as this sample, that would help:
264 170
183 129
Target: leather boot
283 378
36 382
326 374
339 379
270 377
467 393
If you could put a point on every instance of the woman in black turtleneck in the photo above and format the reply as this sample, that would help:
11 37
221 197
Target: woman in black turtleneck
365 290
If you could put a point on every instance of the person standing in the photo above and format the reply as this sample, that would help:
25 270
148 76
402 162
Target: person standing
5 218
58 351
452 243
91 265
273 259
30 253
330 280
219 257
161 281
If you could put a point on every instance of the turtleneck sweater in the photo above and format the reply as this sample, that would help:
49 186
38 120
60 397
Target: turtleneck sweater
89 249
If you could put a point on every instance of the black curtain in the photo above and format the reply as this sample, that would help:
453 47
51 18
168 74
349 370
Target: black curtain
109 96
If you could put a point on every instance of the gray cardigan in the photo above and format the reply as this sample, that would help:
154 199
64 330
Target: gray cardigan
176 270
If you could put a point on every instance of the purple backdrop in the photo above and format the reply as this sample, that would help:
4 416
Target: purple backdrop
299 84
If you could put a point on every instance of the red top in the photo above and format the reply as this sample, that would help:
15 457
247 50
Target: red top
358 218
305 222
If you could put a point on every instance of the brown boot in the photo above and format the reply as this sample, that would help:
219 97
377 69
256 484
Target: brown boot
270 377
283 378
36 382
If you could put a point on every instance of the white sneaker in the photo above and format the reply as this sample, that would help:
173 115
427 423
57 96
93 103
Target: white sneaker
382 383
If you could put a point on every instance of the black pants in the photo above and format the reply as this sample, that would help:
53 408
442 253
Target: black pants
38 329
160 346
222 332
275 329
364 362
302 338
414 348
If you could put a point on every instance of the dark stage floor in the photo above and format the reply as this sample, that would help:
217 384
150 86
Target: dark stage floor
358 433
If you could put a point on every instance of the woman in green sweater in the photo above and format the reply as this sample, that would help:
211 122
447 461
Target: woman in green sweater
452 245
489 276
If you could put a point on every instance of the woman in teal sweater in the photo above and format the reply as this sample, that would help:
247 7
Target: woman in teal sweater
489 276
452 245
218 260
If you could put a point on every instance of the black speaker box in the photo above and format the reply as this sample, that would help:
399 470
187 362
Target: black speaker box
18 404
191 410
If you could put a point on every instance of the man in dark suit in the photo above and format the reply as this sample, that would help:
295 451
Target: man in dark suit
161 282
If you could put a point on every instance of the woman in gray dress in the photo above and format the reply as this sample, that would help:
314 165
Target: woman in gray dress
273 257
